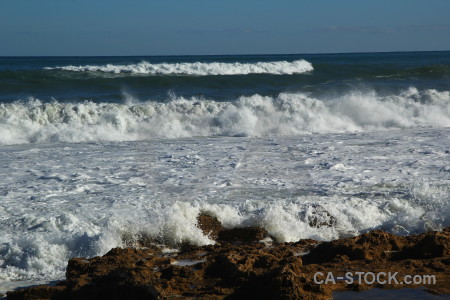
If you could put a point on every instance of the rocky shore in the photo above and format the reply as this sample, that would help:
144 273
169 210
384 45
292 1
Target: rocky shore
246 263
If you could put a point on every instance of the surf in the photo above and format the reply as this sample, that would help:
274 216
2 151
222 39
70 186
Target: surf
197 68
34 121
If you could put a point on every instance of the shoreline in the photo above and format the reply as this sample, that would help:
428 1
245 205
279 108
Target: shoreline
246 262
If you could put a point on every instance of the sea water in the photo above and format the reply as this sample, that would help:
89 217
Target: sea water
96 148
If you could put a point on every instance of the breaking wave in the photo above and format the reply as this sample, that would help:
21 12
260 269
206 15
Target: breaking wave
198 68
287 114
43 254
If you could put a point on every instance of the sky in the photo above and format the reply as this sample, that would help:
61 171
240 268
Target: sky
207 27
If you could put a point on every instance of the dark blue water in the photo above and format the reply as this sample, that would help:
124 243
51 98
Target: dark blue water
333 74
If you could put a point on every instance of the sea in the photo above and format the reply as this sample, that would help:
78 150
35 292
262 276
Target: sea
321 146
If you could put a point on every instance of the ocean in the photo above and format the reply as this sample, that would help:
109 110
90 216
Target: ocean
322 146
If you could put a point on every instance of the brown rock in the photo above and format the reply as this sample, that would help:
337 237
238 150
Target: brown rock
250 270
434 244
209 225
244 235
374 245
212 228
37 292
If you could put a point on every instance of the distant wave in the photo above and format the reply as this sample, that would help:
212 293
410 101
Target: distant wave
198 68
287 114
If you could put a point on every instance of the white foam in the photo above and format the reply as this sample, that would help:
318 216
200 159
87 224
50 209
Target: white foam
180 225
287 114
80 199
187 262
198 68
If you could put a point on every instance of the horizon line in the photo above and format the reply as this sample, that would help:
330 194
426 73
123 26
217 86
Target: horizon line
193 55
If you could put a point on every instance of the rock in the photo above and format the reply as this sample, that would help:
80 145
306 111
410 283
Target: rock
320 217
245 269
212 228
374 245
38 292
243 235
434 244
209 225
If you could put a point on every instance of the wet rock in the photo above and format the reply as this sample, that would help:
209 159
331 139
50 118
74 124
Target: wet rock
320 217
293 281
374 245
209 225
435 244
140 240
243 263
246 270
243 235
212 228
38 292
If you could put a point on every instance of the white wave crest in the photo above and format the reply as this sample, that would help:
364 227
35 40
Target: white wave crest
80 200
286 114
43 255
198 68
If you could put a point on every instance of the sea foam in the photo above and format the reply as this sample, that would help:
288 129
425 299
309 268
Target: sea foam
198 68
33 121
81 199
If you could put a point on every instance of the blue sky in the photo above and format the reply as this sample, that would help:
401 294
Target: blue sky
177 27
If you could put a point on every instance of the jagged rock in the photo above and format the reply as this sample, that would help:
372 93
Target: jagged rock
212 228
320 217
435 244
374 245
250 270
209 225
38 292
244 235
